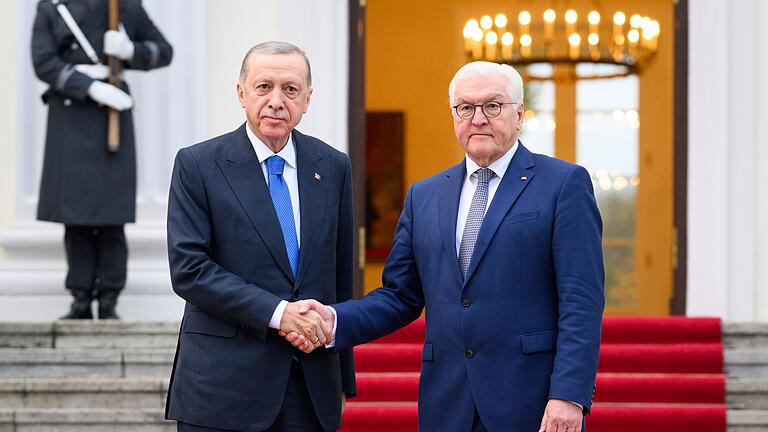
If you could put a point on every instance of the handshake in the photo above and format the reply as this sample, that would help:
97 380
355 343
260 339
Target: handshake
307 324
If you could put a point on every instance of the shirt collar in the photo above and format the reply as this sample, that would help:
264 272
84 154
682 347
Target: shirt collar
288 153
499 167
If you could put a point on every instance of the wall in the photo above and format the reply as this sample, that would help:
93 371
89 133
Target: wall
318 27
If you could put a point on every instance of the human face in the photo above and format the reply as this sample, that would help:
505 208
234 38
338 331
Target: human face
486 139
275 95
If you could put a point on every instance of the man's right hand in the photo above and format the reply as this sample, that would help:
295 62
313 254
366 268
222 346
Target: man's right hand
310 307
109 95
307 324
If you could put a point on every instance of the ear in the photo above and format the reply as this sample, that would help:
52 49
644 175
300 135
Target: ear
309 96
241 94
520 117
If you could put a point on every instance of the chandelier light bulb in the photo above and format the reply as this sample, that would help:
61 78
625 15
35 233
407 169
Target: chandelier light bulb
486 22
571 16
633 36
594 17
549 16
574 39
477 34
619 18
635 21
507 39
491 38
472 24
525 40
593 39
500 20
467 32
524 18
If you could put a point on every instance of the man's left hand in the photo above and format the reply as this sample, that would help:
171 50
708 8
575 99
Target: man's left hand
561 416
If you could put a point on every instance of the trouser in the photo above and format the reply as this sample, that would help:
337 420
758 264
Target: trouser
296 415
97 257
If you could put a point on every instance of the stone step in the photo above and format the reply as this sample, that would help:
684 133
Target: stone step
745 335
86 333
83 393
747 420
86 363
749 394
85 420
151 420
746 362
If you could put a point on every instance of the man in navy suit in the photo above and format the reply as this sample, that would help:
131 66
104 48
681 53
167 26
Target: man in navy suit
504 251
258 218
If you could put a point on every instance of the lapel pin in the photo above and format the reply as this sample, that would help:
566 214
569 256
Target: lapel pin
523 178
317 176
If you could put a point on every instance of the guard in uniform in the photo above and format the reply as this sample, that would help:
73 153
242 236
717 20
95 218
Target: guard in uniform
86 187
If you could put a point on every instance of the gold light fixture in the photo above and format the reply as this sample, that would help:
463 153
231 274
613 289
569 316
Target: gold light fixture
564 37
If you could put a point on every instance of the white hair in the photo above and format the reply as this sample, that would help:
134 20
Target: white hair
486 69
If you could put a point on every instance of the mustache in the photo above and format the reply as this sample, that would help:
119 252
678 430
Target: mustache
275 114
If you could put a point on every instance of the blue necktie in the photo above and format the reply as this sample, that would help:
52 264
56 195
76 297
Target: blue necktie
281 199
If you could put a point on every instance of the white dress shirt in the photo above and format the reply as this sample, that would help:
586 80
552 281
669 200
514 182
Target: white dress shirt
499 167
288 153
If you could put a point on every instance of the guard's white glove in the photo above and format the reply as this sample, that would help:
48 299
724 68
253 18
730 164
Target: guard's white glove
118 44
109 95
96 71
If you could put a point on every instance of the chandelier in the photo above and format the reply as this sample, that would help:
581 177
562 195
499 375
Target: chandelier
627 43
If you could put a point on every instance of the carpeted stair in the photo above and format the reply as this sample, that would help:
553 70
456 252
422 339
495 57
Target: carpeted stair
655 374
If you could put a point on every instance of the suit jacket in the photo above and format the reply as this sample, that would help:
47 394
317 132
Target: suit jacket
82 183
524 325
228 261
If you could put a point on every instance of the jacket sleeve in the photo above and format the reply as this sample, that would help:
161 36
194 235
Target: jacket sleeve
195 276
579 275
344 271
49 66
150 48
396 304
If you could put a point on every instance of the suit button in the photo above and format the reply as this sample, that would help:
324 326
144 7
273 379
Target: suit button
67 102
469 353
465 302
74 46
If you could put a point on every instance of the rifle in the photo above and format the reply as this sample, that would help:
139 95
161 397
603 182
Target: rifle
115 78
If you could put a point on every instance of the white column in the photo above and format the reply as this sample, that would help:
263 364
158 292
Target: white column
726 156
708 167
8 86
761 162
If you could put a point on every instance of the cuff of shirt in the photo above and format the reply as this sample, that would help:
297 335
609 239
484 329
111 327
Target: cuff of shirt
332 343
277 315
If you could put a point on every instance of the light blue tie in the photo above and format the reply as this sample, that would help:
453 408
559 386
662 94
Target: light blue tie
281 199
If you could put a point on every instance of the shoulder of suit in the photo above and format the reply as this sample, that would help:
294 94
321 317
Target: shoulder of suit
213 146
319 146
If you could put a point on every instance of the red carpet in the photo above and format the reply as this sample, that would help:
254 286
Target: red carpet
655 374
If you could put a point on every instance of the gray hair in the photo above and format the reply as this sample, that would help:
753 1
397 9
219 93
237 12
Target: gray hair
486 69
272 48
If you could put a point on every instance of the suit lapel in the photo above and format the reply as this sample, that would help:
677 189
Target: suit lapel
246 179
507 193
312 199
448 209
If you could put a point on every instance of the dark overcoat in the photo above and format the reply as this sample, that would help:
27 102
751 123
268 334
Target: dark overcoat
82 182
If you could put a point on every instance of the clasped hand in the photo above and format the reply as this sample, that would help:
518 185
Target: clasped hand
307 324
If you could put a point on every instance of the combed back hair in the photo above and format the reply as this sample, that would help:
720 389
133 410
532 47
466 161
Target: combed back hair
487 69
272 48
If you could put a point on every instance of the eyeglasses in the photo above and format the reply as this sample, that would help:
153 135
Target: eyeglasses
489 109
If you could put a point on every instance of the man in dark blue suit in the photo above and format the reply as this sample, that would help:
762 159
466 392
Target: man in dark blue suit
258 218
504 251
